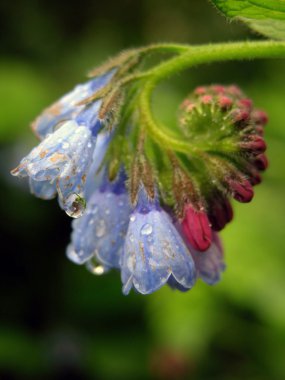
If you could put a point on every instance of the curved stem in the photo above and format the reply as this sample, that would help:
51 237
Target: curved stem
159 135
196 55
193 56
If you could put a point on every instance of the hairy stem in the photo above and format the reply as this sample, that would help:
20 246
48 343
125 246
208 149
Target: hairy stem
189 57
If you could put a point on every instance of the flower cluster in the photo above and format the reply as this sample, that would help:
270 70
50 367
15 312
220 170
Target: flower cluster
129 215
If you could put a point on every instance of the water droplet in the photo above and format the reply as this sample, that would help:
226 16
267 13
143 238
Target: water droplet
95 268
146 229
98 270
74 205
100 228
132 218
89 145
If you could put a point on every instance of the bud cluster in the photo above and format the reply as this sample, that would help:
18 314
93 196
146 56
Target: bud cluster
230 131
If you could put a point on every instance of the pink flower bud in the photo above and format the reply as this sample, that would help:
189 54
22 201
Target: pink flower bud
240 117
254 144
241 189
225 102
234 90
261 162
254 177
206 99
246 103
260 117
196 227
220 212
218 89
200 90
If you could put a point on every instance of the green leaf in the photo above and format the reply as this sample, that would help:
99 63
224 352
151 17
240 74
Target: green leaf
264 16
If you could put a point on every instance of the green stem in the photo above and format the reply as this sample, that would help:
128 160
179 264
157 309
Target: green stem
195 55
158 133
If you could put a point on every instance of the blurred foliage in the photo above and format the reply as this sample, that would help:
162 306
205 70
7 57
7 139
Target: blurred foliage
58 321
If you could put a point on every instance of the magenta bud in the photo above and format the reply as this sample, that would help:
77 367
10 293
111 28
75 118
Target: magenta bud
261 162
260 117
259 130
247 103
225 102
241 189
218 89
220 212
196 227
254 143
254 176
186 103
240 116
200 90
206 99
234 90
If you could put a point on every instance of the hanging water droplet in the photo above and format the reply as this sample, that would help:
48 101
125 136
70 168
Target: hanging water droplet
146 229
74 205
132 218
98 270
100 228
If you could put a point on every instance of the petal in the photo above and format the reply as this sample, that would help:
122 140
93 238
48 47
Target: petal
72 179
210 264
101 231
93 177
43 189
46 160
153 251
67 106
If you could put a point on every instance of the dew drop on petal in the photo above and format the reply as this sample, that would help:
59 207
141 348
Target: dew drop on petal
132 218
98 270
75 205
146 229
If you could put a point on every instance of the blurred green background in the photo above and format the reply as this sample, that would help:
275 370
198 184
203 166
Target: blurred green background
59 322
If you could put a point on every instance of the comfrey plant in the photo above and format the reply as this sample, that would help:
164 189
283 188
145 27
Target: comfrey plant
146 200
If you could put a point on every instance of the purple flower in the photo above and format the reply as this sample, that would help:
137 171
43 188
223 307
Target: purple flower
210 263
153 250
61 162
100 233
67 107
